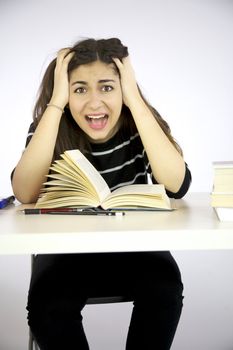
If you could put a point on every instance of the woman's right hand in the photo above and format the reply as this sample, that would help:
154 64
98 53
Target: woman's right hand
60 96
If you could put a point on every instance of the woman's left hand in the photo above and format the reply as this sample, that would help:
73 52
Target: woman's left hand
128 82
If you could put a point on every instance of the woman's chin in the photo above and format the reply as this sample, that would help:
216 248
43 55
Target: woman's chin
101 135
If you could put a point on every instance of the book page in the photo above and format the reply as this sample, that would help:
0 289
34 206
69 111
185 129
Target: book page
76 182
140 189
92 175
55 199
144 195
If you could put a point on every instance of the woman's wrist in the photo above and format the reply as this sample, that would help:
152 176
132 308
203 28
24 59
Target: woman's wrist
136 103
57 101
53 105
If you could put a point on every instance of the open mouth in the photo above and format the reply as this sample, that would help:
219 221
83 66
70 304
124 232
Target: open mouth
97 121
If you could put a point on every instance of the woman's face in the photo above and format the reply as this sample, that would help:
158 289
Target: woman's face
95 100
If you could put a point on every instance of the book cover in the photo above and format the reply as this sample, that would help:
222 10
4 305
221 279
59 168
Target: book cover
224 214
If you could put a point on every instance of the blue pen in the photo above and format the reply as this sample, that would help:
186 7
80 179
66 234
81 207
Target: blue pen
4 202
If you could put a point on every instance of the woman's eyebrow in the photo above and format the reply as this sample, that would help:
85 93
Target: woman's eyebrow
101 81
79 82
106 81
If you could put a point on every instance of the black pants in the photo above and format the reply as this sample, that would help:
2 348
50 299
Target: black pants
61 284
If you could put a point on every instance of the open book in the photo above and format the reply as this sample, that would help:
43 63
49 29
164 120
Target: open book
75 182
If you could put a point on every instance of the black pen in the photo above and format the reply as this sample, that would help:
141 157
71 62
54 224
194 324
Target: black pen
72 211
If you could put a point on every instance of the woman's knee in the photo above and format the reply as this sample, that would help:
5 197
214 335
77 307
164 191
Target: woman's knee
49 310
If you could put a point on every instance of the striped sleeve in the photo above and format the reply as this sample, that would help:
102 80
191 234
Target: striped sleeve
184 187
30 133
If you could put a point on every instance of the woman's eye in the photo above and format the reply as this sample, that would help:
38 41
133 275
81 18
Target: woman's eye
80 90
107 88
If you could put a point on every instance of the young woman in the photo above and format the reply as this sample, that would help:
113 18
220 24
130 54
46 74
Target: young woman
89 99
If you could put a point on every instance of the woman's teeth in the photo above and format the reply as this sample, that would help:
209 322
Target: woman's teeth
96 116
97 121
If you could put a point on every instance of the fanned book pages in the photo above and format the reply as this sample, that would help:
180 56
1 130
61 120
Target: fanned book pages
74 182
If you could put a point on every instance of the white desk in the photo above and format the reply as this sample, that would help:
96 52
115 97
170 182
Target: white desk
193 226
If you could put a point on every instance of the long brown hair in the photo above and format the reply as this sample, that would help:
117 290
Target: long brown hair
70 136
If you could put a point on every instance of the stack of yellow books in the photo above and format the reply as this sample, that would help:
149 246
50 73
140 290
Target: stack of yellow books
222 194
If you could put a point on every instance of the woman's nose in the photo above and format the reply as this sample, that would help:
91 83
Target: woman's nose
95 100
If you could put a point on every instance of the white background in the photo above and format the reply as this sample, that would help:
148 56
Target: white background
182 53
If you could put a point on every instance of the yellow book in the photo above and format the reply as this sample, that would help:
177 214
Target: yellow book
222 193
223 176
221 199
74 182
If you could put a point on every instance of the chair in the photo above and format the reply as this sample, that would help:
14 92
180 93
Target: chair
32 345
